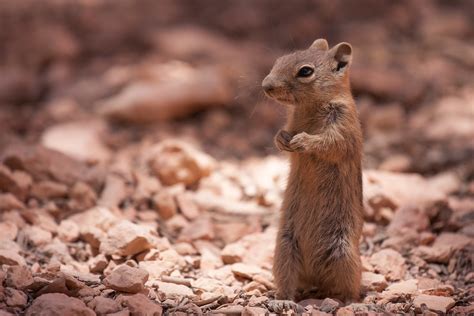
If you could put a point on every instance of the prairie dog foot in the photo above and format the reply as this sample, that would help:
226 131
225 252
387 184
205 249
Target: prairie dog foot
280 306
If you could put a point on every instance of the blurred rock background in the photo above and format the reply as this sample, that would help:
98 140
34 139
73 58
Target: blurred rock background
134 136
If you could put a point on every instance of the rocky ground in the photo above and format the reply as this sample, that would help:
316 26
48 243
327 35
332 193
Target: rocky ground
144 181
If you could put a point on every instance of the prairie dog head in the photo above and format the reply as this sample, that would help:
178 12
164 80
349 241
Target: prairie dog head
309 74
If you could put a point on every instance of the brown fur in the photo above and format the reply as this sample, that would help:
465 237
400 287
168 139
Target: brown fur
317 245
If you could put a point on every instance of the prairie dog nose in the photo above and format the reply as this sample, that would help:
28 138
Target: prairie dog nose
267 85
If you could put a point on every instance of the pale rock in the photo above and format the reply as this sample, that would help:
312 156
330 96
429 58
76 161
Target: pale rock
146 186
46 189
58 304
254 311
171 290
439 254
98 263
449 119
438 304
57 249
233 231
184 248
233 253
98 217
369 229
187 207
9 202
257 301
366 265
177 91
254 286
426 238
219 204
41 218
92 235
201 228
114 192
14 217
245 270
205 284
10 257
36 236
443 248
16 182
139 304
156 268
82 196
165 204
171 256
221 184
127 238
406 238
79 140
440 290
455 241
210 255
177 223
46 164
175 161
127 279
148 255
103 305
68 231
398 189
427 283
15 298
223 274
19 277
448 182
408 217
402 287
123 312
259 248
373 282
396 163
6 244
345 311
8 230
389 263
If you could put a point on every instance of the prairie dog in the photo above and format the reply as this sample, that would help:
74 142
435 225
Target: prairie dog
317 249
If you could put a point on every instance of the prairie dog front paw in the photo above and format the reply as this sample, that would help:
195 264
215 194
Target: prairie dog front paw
301 142
282 140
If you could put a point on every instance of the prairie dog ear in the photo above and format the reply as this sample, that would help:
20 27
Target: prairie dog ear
342 54
320 44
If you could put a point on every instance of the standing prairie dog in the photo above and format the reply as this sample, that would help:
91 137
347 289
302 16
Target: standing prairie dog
317 249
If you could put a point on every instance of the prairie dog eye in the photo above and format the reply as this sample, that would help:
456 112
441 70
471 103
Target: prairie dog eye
305 71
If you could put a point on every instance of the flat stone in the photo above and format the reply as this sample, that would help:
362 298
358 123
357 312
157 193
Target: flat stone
103 305
11 258
8 230
438 304
389 263
127 238
57 304
172 290
19 277
127 279
139 304
373 282
245 270
9 202
403 287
